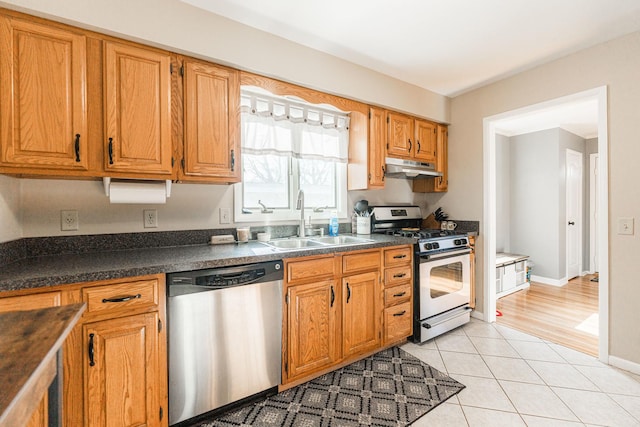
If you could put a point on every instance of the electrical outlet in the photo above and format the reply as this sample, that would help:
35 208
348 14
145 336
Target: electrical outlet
150 218
69 220
625 226
225 215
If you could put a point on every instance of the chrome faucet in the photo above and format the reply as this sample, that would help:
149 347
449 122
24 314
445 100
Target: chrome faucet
300 205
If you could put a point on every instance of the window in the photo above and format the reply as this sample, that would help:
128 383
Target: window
289 146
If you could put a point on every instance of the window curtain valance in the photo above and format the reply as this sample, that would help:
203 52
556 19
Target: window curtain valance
282 127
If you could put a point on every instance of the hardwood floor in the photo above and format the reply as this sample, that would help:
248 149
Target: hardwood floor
566 315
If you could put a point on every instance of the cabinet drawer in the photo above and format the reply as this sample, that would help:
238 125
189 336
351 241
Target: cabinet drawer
395 276
30 302
361 261
128 296
397 256
316 268
397 294
397 322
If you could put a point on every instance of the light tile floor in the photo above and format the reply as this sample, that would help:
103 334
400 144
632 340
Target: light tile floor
514 379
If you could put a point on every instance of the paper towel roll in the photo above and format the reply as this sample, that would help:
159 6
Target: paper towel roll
138 192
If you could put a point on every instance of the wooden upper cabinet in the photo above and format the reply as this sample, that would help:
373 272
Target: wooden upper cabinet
425 141
400 140
211 123
43 106
439 184
137 99
377 138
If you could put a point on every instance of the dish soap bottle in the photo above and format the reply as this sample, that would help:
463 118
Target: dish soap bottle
333 223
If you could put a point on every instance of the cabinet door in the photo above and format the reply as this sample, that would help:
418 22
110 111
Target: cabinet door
442 163
137 92
361 316
424 149
122 372
33 302
43 109
211 123
377 137
312 322
399 135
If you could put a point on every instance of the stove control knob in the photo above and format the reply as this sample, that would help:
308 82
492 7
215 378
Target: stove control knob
457 242
463 241
436 245
428 246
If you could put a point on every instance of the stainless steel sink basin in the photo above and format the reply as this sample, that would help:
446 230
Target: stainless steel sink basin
315 242
341 240
293 243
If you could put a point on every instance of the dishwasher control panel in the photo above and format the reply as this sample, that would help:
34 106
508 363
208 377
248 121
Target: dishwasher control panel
230 279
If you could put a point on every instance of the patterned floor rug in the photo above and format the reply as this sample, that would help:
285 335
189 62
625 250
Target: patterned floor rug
390 388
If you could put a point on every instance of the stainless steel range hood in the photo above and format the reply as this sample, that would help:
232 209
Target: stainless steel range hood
399 168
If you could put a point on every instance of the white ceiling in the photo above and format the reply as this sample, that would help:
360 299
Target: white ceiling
578 117
447 46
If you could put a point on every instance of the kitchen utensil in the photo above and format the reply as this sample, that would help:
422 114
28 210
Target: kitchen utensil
361 207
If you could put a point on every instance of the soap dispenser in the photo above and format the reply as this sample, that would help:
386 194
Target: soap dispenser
333 223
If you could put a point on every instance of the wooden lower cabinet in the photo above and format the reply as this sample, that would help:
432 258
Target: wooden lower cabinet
121 371
122 332
330 321
312 311
398 292
361 318
40 417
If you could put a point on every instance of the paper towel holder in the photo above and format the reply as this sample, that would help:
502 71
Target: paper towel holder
106 181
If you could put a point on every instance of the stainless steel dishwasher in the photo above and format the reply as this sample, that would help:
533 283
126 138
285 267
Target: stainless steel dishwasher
224 336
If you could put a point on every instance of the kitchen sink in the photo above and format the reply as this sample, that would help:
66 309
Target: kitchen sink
290 243
341 240
293 243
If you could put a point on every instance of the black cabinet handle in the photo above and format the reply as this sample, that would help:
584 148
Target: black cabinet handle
77 147
348 292
399 275
122 299
401 294
233 160
399 256
410 145
384 171
333 296
418 141
91 361
110 151
572 223
400 314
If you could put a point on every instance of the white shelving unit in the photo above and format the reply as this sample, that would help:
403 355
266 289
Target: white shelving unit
511 273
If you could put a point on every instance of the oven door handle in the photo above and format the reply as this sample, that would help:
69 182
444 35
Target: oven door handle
442 318
444 255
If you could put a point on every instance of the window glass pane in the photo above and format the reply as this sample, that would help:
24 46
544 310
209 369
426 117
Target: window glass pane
265 178
318 181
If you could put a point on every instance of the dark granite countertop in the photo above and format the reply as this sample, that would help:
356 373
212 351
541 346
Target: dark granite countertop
52 270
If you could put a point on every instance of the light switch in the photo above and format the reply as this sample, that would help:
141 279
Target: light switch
625 226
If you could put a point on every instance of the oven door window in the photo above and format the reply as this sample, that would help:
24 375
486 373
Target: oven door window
446 279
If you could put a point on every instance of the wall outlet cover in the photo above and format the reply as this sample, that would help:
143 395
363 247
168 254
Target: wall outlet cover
69 220
625 226
225 215
150 218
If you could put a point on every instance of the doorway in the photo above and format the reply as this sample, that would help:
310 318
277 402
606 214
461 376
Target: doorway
491 125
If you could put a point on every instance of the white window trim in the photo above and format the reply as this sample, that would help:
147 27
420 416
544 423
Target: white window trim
293 214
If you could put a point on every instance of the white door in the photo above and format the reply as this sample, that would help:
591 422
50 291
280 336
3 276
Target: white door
574 213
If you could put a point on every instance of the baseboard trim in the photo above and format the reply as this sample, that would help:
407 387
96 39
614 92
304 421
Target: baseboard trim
478 315
627 365
548 281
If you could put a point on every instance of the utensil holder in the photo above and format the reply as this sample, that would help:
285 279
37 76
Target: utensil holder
363 225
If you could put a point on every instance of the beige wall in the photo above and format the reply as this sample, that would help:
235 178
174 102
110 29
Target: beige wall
614 64
10 225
